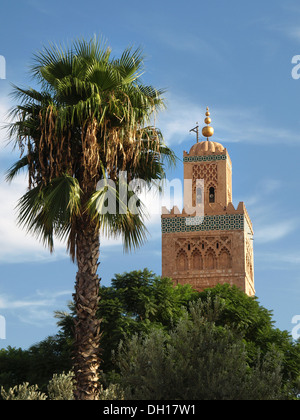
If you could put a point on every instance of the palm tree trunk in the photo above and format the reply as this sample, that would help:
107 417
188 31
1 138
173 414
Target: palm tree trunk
87 325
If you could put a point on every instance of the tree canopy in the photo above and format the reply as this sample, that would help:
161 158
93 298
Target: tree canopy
197 360
155 320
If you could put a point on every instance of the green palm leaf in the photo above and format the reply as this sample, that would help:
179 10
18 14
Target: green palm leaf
16 168
48 210
118 215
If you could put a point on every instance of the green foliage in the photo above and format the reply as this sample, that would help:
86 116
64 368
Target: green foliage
50 208
149 310
50 356
14 366
139 301
196 360
112 392
61 387
23 392
240 311
35 365
244 315
136 303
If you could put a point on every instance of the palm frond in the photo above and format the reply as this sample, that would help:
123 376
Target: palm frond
95 49
48 210
62 198
52 63
130 65
33 217
26 96
133 230
119 215
91 108
14 170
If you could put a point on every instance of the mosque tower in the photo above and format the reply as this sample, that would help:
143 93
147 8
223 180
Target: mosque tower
209 242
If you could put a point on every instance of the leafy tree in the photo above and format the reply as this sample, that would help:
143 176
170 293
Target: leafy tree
137 302
247 317
196 360
37 364
89 121
124 309
14 366
48 357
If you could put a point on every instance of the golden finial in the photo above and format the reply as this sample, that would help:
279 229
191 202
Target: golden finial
207 131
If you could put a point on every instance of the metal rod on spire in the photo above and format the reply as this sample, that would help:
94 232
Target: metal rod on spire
196 130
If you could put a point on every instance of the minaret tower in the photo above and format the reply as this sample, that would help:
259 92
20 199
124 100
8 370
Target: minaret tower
216 248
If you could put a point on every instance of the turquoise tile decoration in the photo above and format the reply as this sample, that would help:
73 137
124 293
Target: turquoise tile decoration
197 224
204 158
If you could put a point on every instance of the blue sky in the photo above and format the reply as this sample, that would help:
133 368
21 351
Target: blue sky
233 56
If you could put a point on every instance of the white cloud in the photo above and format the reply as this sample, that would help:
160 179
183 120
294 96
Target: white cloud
181 115
265 212
266 187
41 6
275 231
4 108
289 30
231 124
36 310
15 244
41 299
6 147
172 195
21 304
290 258
191 43
293 32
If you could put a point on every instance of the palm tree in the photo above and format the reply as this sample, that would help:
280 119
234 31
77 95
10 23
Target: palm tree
89 120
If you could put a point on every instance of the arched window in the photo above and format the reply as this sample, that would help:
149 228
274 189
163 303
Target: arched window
212 195
197 262
182 261
225 259
210 260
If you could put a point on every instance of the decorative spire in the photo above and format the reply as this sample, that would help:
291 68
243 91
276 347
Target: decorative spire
207 131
